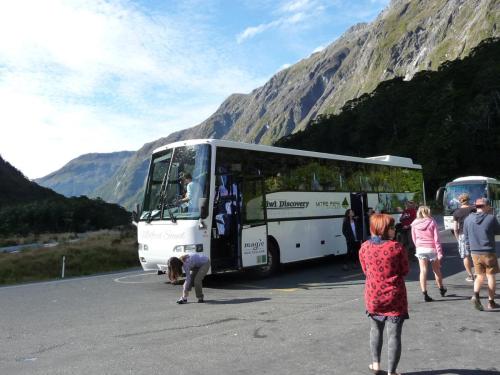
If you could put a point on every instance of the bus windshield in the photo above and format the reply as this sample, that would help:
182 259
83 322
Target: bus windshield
177 179
475 190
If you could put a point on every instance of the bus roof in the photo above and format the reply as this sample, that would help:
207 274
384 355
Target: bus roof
471 179
382 160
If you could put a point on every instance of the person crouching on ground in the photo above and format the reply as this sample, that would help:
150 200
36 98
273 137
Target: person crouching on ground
385 264
195 266
425 236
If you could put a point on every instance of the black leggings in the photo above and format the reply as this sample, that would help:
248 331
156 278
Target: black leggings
394 341
353 250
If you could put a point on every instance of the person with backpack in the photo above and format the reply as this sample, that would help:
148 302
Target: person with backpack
459 216
480 229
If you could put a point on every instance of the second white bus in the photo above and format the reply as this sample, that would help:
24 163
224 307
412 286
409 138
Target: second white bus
476 187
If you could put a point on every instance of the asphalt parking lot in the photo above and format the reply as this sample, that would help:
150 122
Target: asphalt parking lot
309 319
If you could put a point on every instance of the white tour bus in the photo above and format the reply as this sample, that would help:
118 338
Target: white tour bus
476 187
258 206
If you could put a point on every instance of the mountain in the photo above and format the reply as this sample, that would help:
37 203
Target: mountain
15 188
447 120
408 36
26 207
126 186
81 175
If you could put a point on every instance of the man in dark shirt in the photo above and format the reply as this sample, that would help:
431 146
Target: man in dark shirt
458 230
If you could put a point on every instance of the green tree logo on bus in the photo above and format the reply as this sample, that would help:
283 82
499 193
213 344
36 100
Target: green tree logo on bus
345 203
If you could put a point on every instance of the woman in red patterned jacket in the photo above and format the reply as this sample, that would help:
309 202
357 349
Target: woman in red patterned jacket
385 264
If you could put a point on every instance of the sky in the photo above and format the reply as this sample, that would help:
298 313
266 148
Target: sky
87 76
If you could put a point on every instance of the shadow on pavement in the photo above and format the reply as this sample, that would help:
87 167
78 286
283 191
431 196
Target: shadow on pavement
454 372
327 273
324 273
235 301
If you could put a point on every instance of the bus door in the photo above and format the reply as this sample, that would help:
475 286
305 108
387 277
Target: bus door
359 204
253 233
225 239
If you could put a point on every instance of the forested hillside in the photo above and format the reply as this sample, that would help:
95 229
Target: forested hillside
16 188
447 120
26 207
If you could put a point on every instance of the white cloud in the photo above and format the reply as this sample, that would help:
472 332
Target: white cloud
251 31
296 5
92 76
289 13
318 49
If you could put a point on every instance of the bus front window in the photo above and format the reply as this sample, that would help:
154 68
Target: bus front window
451 202
179 194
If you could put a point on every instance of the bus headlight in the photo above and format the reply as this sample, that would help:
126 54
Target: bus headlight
198 248
143 247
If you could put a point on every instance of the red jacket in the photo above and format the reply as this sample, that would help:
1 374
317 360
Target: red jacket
385 266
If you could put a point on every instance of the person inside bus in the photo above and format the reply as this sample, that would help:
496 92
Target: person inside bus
189 201
353 233
187 182
425 236
385 265
459 216
195 266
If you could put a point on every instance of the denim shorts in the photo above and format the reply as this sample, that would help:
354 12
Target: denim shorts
463 247
426 253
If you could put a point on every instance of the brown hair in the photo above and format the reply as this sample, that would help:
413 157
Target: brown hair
463 198
174 268
380 225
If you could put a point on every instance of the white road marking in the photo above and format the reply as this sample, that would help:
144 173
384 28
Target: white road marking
59 281
119 279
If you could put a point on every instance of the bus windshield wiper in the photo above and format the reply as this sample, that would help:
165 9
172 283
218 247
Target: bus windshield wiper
172 216
152 214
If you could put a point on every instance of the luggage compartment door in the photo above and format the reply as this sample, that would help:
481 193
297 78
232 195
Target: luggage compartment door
253 245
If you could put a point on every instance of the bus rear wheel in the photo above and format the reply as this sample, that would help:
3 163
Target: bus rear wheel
273 260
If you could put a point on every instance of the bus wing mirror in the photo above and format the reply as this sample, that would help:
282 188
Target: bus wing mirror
203 206
135 215
439 195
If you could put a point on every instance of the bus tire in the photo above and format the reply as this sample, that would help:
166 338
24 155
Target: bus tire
273 259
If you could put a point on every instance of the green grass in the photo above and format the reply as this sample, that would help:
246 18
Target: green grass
101 252
36 238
